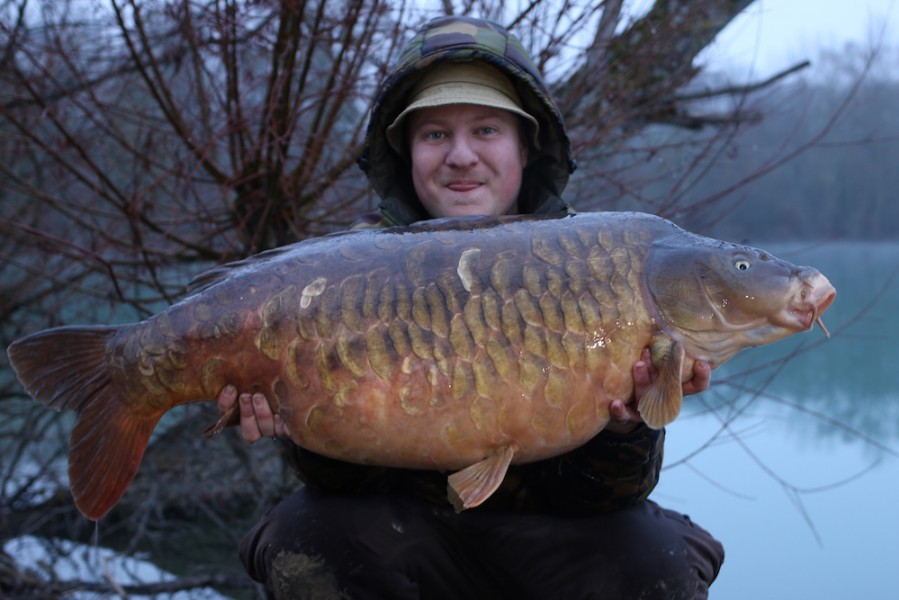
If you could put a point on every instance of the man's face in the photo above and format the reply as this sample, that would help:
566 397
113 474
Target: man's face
466 159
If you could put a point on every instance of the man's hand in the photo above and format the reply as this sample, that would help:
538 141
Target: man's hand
624 417
256 418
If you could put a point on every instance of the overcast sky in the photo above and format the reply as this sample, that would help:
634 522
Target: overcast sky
772 35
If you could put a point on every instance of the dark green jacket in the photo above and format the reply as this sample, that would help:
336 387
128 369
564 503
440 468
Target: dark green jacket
611 470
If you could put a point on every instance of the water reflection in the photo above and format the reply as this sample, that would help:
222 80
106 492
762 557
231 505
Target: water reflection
799 516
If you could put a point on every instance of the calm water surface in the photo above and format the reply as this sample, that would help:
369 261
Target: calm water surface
794 466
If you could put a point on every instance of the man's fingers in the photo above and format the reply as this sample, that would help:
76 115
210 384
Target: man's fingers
249 427
256 418
643 373
702 376
618 411
226 398
622 417
265 420
281 427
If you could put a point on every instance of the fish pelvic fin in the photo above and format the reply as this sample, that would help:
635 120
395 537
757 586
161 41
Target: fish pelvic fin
67 368
472 485
661 404
230 418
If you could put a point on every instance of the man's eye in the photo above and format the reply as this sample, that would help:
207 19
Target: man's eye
487 130
434 135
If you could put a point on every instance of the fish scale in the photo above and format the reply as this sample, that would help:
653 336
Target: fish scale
472 331
539 287
459 345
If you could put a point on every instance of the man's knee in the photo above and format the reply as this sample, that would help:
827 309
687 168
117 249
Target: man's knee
296 575
315 545
684 562
648 552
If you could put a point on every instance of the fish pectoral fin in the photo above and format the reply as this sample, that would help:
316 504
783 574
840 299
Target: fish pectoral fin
474 484
661 404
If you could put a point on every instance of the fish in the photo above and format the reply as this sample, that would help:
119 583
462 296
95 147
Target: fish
461 345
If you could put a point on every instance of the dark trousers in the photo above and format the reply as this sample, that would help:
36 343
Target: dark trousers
324 545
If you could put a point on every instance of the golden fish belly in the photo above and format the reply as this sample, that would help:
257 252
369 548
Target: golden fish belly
441 432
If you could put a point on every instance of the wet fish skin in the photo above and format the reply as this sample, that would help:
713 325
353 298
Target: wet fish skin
464 344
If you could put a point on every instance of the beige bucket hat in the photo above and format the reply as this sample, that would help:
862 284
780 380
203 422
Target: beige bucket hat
461 83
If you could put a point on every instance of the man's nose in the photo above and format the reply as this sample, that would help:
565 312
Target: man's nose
461 152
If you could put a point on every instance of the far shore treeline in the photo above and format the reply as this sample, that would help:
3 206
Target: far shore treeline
821 164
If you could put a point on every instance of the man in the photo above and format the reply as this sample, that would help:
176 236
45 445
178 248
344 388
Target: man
465 126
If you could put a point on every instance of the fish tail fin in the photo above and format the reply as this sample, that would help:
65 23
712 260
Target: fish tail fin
67 368
108 443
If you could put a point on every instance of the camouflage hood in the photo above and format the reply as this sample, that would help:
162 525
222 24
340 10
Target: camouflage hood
465 39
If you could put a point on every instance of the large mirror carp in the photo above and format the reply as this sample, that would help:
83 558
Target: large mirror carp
458 344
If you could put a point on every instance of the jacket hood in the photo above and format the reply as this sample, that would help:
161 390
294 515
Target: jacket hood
465 39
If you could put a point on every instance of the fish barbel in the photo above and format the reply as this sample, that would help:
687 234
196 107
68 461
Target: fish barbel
458 344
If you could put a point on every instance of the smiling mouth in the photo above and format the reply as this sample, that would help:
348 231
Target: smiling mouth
463 186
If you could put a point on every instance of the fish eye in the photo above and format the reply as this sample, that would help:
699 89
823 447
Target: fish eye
742 264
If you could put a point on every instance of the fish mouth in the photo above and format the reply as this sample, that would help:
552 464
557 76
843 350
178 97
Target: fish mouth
811 300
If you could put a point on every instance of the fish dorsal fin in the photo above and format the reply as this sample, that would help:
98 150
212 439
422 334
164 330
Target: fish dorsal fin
221 272
474 484
661 404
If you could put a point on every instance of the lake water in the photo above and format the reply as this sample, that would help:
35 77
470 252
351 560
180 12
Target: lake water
795 466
